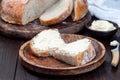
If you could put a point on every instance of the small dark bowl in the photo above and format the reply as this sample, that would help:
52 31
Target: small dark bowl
102 34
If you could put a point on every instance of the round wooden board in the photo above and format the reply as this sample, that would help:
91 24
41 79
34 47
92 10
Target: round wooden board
51 66
30 30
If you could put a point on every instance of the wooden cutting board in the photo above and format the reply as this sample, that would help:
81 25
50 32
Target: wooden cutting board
30 30
52 66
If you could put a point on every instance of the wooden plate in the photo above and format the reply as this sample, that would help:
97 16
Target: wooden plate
30 30
51 66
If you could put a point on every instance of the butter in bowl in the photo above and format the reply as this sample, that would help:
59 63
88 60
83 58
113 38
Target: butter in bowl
102 29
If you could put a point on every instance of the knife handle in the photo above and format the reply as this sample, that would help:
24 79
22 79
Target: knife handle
115 59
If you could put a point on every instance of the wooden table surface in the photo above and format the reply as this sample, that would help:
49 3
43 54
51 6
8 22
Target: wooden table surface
11 69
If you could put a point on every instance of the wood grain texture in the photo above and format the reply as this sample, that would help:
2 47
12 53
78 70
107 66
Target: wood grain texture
8 57
30 30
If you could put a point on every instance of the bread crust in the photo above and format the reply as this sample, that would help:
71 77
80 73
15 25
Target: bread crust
11 13
59 18
80 9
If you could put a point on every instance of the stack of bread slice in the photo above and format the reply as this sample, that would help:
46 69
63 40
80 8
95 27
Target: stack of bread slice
48 11
50 43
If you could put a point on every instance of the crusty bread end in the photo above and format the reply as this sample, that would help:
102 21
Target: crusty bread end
80 9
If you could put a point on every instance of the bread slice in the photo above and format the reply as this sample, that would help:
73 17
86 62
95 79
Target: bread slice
23 11
57 13
44 43
76 53
80 9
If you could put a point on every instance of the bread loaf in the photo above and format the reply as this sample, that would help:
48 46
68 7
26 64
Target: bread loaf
23 11
57 13
48 11
76 53
80 9
44 43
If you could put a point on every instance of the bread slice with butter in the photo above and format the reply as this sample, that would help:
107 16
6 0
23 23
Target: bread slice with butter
76 53
44 43
50 43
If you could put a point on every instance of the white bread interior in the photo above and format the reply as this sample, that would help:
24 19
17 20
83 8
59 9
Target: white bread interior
35 8
24 11
44 43
80 9
57 13
76 53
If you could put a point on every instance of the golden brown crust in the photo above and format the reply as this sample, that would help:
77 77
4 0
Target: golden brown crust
80 9
59 18
79 58
12 10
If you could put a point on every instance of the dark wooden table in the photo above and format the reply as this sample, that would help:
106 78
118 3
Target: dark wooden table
11 69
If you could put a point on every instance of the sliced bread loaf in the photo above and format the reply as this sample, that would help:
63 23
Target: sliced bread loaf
76 53
44 43
57 13
23 11
80 9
